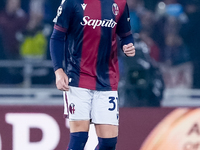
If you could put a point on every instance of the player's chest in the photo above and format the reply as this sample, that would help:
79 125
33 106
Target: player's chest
97 11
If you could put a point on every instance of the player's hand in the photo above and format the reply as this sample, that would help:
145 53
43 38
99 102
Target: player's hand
61 80
129 49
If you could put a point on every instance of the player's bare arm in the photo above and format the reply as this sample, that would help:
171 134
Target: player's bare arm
129 49
61 80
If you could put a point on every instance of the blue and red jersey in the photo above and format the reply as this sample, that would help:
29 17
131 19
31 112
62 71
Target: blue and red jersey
91 28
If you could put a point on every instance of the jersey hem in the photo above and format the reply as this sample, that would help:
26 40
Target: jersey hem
96 89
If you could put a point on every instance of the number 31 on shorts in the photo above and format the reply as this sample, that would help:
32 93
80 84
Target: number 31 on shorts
113 101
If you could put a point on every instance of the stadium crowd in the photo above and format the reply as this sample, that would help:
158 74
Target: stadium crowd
166 37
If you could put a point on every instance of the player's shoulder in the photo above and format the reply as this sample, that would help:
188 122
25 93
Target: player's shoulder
70 3
121 3
64 2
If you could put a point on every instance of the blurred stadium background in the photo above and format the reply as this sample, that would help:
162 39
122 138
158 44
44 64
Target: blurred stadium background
164 73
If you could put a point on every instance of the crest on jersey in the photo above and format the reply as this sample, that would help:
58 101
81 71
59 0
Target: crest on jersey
72 108
115 9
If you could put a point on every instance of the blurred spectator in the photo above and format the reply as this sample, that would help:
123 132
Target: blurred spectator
34 38
147 31
154 50
190 32
175 51
160 31
176 66
147 21
12 20
169 15
2 55
3 71
134 18
142 84
34 44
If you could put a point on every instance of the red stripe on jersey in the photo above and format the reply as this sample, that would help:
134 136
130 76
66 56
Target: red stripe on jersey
113 63
126 34
91 40
60 28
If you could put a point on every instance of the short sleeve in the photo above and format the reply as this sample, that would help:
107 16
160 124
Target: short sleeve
64 14
123 25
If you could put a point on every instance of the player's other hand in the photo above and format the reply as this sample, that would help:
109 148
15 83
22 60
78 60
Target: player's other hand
129 49
61 80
